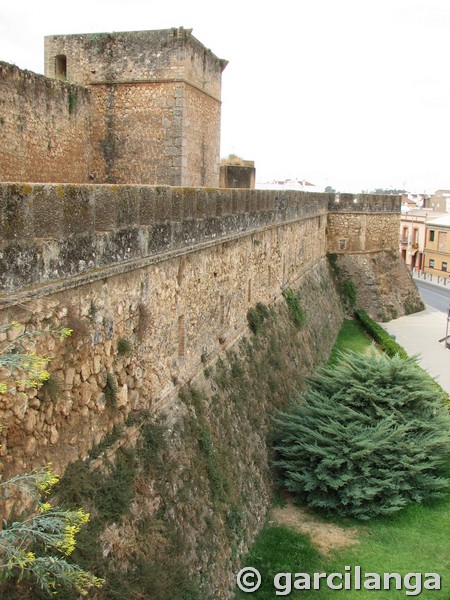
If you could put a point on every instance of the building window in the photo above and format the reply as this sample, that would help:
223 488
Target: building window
431 235
444 266
405 235
341 244
431 264
61 66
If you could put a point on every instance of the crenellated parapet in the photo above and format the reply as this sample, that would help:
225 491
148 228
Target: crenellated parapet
361 223
64 234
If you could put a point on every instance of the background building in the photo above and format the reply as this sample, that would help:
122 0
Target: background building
413 235
439 201
437 246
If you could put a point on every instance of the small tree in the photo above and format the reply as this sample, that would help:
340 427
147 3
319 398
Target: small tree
368 437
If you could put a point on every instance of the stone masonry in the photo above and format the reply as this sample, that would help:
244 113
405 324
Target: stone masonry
156 104
172 271
134 107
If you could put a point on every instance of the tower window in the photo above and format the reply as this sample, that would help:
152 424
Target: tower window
61 66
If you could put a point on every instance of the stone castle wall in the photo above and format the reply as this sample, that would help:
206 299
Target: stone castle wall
201 127
97 230
156 104
136 56
362 223
45 128
171 271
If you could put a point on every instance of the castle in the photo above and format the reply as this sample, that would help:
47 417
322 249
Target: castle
168 266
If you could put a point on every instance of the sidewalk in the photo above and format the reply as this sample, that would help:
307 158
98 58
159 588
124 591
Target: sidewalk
419 334
439 280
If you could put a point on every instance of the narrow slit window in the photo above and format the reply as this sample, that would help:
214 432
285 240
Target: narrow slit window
221 310
181 336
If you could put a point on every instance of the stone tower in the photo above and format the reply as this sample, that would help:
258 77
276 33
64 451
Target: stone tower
156 98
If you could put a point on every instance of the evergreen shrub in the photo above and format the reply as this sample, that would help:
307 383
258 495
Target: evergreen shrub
368 437
380 335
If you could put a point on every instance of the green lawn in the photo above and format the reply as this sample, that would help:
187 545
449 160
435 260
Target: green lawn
415 540
351 337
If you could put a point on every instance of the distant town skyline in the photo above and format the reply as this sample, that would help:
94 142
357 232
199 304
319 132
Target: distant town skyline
346 94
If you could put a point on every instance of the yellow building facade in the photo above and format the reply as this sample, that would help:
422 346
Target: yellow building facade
437 247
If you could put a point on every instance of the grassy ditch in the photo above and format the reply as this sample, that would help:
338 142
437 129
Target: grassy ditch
350 337
414 540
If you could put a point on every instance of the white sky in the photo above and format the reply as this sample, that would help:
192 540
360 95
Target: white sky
349 93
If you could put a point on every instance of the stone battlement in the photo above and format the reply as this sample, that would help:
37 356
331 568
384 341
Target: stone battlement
54 232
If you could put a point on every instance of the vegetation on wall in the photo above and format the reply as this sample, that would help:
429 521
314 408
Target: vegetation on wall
413 305
20 366
124 347
256 317
296 312
38 544
110 390
345 285
72 101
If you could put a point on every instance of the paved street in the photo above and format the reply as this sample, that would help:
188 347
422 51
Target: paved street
435 296
420 334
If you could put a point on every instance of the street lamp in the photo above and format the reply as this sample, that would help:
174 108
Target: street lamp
447 337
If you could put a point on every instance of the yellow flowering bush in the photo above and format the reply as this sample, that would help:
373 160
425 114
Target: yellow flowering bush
37 545
22 367
50 532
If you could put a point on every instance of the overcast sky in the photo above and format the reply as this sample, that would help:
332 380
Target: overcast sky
349 93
